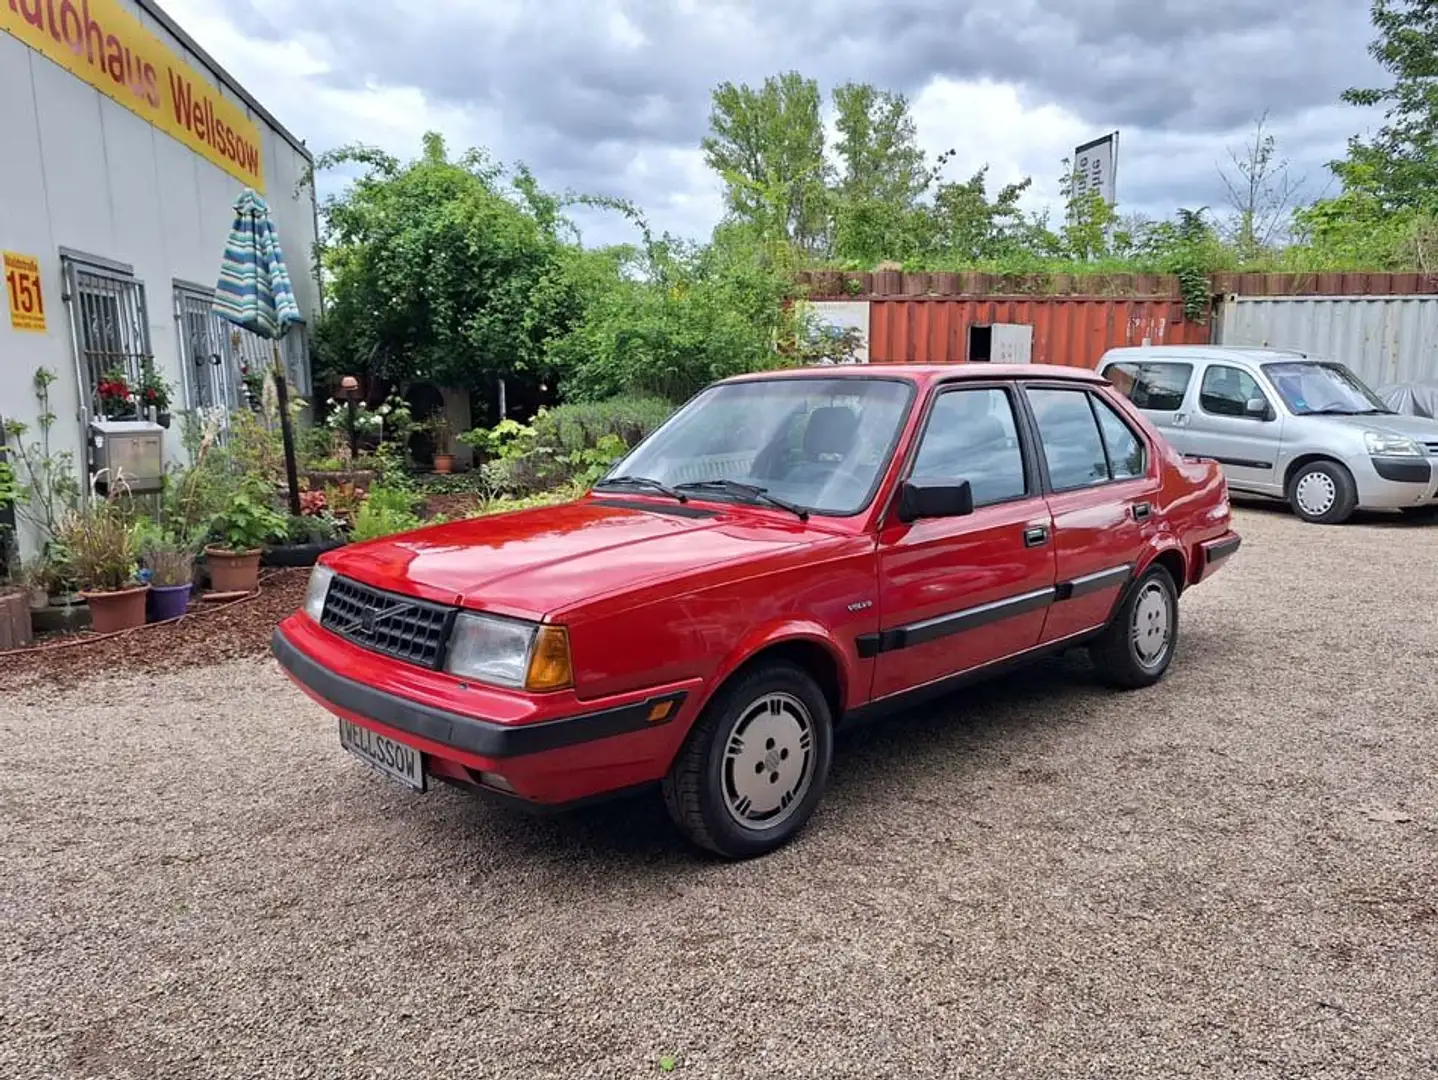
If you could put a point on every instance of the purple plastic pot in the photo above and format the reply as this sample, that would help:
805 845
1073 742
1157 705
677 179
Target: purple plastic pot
168 602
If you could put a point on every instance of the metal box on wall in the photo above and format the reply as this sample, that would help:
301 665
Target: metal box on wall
127 454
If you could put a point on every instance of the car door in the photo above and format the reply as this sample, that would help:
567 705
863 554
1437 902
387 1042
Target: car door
1236 422
1159 388
1102 478
957 593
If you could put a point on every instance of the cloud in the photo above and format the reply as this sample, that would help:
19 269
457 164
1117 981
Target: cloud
611 97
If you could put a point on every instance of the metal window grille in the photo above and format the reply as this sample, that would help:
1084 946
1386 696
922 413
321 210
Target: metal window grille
212 378
109 322
216 352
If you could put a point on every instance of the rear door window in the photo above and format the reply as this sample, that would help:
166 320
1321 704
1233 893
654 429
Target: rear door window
1073 447
1160 385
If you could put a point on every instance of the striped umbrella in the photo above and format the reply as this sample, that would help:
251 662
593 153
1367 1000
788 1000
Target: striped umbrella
254 292
254 289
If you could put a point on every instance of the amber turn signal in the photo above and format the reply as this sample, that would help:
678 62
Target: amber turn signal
549 667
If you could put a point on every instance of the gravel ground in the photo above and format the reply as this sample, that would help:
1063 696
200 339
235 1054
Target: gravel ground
1234 874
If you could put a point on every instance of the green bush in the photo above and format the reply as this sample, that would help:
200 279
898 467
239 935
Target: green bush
582 426
385 511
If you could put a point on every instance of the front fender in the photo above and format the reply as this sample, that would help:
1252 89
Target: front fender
853 674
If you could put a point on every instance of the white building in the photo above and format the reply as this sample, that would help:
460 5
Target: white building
122 149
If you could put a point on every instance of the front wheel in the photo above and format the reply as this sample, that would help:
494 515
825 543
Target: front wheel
756 764
1138 645
1323 493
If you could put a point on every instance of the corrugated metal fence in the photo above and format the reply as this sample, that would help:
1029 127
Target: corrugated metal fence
1384 339
1068 330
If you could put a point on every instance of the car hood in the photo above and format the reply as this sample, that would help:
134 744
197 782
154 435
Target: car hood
530 563
1420 428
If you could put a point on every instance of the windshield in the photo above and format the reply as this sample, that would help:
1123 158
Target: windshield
817 443
1322 386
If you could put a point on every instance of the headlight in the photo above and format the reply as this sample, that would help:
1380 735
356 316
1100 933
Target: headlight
508 652
320 578
1381 444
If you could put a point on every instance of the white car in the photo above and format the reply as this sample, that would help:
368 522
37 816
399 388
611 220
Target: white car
1284 424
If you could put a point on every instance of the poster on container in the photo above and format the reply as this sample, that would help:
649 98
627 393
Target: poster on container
1095 165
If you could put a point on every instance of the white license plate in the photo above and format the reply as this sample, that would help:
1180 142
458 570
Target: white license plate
395 760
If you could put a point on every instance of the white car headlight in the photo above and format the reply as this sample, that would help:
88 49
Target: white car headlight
1381 444
320 578
509 652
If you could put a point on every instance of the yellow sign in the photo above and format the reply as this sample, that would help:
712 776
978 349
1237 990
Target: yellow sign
22 285
103 44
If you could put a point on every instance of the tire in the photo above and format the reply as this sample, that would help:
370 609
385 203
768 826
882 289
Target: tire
787 719
1323 493
1138 646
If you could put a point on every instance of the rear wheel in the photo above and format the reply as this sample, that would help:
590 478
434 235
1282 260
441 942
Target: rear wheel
1323 492
1138 645
756 764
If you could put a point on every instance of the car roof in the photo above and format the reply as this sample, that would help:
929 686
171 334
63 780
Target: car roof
925 374
1253 354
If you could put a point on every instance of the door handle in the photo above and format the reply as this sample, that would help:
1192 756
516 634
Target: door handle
1141 511
1180 419
1036 536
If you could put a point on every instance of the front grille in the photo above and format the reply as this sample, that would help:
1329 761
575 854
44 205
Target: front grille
400 626
1432 448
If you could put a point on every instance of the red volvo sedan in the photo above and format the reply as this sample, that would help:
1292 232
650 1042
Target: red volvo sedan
788 552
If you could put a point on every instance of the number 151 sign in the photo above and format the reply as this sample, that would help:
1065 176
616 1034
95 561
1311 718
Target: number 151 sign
22 288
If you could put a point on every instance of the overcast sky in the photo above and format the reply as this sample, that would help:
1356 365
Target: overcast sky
611 97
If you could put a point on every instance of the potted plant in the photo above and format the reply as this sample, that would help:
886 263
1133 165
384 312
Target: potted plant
170 566
114 393
242 528
155 395
101 550
438 427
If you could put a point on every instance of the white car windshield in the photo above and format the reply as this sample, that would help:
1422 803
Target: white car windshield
816 444
1312 387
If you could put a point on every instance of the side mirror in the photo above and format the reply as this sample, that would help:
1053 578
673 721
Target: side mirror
1258 408
935 499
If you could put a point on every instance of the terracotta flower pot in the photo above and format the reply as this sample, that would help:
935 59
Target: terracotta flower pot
112 611
233 571
444 463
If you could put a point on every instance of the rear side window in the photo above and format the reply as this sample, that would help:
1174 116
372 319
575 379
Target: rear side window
1159 385
1226 391
1073 446
1126 456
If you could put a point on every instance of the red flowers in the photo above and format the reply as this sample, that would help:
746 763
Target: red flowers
112 389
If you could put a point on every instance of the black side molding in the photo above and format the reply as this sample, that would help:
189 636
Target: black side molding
483 737
1403 470
902 637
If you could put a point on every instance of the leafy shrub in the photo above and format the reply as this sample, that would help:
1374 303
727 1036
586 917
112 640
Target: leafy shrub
582 426
248 522
308 529
384 512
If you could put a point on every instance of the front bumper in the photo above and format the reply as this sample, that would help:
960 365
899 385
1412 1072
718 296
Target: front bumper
601 747
1392 483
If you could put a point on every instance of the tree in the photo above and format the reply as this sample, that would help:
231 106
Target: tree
962 223
882 172
441 270
768 145
1088 221
1399 166
1261 192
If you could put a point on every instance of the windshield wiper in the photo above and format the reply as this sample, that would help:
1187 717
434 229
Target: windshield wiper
753 491
1332 410
642 482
